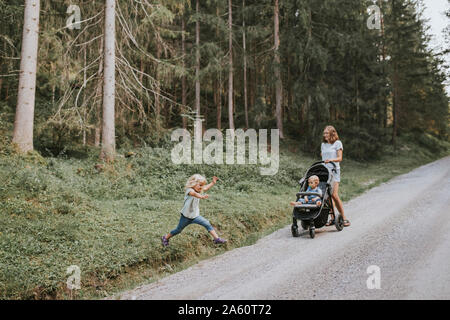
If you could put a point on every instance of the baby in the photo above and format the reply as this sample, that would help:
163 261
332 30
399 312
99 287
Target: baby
313 183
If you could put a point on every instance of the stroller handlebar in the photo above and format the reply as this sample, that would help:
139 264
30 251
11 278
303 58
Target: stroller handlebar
316 163
319 162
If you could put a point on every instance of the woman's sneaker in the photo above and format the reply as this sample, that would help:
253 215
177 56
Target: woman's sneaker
165 241
219 241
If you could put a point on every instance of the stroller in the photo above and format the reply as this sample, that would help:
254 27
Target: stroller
312 216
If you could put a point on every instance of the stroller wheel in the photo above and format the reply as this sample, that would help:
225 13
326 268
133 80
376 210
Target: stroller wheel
304 225
339 223
294 230
312 232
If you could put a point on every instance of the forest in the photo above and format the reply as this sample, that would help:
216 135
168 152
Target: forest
91 92
295 65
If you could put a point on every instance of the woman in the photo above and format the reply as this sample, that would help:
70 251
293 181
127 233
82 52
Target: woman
331 151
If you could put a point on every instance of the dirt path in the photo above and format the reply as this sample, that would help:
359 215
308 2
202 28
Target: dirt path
402 226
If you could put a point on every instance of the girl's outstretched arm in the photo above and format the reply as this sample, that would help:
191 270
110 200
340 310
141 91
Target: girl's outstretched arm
198 195
208 186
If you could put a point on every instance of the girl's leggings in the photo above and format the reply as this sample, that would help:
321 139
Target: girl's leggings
184 222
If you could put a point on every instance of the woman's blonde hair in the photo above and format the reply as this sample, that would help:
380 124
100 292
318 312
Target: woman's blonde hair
194 180
333 134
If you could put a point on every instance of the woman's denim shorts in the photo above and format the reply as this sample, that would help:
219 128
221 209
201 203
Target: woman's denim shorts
337 175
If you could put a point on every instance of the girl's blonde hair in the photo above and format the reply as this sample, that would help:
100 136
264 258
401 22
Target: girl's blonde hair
333 134
194 180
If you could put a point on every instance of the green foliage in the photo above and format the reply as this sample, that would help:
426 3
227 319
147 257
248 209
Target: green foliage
67 211
108 218
59 206
433 144
364 144
5 130
334 70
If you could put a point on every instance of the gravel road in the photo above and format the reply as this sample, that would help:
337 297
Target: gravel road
402 226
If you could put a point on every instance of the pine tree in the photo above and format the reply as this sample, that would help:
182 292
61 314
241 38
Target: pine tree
410 66
230 66
278 83
323 65
23 125
244 46
108 125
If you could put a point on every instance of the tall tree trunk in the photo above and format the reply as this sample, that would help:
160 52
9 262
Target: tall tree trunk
98 96
356 97
197 62
205 111
218 101
158 87
290 98
383 104
230 74
108 124
288 106
254 80
84 96
395 106
2 70
244 45
23 124
396 102
183 79
278 84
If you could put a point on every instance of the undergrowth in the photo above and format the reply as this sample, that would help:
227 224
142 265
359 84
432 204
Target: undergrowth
108 218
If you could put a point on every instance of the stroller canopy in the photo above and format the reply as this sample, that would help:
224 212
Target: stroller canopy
321 170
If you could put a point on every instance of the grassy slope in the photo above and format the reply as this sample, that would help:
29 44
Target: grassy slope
57 212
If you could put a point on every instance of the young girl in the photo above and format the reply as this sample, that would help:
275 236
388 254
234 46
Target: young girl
190 212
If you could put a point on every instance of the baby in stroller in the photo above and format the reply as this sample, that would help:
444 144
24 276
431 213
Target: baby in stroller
313 186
